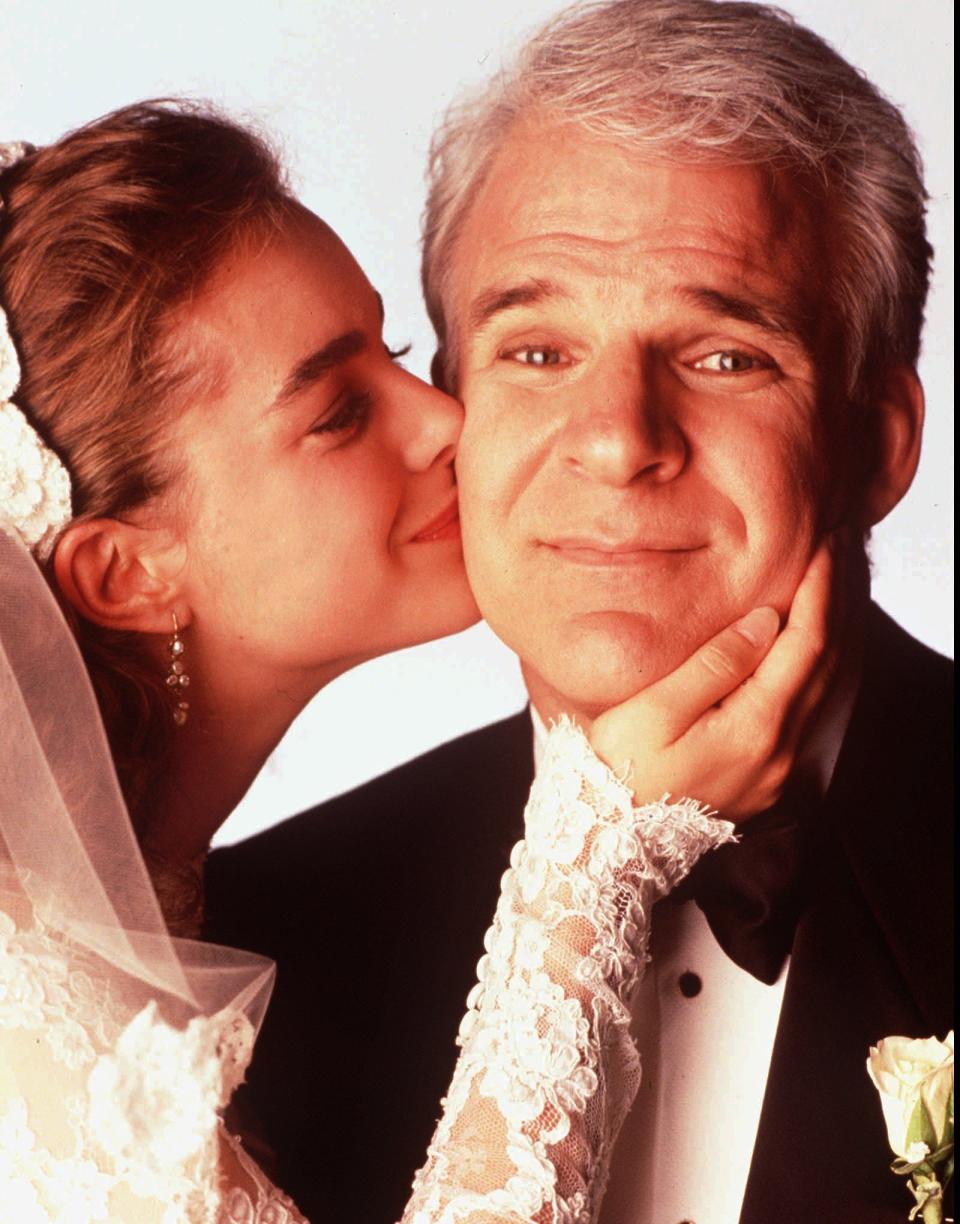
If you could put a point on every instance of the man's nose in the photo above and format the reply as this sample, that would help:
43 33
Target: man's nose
626 432
429 424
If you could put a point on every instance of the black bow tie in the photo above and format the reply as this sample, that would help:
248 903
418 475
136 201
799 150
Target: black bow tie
752 892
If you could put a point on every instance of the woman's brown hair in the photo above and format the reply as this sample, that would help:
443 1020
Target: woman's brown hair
105 238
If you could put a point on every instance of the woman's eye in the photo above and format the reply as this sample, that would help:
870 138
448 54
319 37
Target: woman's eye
535 355
731 361
352 413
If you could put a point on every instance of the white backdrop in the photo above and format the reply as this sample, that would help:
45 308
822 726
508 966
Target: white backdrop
353 91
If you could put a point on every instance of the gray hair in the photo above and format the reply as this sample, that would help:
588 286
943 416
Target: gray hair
715 83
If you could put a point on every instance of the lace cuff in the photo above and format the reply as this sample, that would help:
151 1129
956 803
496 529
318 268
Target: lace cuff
548 1069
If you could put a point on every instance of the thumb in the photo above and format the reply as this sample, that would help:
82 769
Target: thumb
668 709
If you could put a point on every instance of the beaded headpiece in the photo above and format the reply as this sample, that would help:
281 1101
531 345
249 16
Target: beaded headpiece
34 484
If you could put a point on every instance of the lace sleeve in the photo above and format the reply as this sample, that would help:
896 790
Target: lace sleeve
547 1069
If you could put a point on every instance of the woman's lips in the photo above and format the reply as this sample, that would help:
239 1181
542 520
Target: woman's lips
446 526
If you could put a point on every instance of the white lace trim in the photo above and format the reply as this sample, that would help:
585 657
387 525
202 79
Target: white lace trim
259 1202
547 1069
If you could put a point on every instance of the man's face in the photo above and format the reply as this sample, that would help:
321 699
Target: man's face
642 460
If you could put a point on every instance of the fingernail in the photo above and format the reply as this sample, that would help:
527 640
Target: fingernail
760 626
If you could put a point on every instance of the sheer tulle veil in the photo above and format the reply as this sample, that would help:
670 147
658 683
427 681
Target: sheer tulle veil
68 853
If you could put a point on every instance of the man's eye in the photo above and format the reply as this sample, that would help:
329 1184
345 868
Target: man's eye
731 361
354 412
535 355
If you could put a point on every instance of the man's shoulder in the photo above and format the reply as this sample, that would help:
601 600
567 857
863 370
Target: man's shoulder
890 638
895 773
481 766
407 835
907 689
893 792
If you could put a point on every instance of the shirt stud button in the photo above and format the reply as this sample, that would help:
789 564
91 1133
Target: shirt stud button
690 986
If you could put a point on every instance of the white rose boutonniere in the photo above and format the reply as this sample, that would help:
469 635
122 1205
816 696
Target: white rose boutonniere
915 1082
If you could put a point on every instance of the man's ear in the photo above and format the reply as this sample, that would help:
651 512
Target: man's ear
898 416
122 576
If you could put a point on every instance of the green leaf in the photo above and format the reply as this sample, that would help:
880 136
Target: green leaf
940 1155
903 1168
947 1136
920 1129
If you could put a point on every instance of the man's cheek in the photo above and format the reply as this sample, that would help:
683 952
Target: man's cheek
482 534
487 477
777 570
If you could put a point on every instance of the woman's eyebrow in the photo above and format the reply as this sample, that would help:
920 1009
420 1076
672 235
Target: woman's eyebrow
318 364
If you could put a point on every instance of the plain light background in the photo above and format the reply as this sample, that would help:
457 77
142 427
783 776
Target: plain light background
351 92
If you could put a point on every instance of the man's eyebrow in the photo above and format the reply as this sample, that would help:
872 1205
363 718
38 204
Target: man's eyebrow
313 368
503 297
764 315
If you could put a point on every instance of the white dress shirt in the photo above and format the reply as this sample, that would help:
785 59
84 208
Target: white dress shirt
705 1030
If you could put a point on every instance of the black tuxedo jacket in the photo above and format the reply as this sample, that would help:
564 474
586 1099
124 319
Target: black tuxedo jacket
374 906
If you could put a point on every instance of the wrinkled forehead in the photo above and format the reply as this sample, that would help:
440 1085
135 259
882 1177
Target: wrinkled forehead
556 196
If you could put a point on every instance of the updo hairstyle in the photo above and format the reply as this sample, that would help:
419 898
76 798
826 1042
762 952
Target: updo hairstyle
106 237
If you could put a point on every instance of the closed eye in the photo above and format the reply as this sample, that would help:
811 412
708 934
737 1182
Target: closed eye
352 413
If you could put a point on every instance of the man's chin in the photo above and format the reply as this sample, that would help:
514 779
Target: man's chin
594 666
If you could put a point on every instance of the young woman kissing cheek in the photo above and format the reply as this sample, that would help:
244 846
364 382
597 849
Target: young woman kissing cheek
319 505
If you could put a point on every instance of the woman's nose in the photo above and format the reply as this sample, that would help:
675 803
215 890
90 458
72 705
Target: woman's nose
430 425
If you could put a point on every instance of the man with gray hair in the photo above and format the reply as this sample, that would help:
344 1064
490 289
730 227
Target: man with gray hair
677 266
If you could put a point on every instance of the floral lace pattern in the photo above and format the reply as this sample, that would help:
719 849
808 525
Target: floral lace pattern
107 1117
256 1201
548 1069
40 987
107 1120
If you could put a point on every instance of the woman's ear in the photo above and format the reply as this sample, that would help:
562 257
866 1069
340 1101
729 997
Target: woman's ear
122 576
899 425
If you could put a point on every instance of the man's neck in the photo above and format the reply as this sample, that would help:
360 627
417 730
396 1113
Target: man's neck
550 703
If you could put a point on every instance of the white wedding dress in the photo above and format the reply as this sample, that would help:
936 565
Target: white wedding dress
108 1118
114 1118
120 1046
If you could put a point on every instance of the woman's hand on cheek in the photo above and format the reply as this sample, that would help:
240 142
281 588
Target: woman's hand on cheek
725 727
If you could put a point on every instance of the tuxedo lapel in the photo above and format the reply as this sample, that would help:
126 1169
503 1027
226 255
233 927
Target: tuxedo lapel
868 959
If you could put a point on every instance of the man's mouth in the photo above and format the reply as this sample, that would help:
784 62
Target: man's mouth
589 550
445 526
